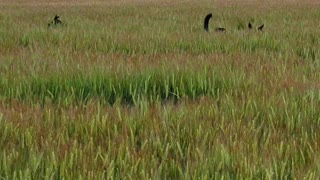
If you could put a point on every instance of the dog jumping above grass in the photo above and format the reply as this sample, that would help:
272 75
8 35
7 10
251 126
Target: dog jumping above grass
56 21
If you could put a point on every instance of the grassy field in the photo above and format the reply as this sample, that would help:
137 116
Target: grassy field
135 89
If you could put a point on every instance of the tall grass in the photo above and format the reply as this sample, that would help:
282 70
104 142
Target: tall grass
153 86
138 90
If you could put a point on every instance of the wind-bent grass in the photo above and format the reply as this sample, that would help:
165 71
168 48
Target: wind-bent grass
138 90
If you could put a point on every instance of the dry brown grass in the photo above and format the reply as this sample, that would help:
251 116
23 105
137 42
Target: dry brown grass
218 3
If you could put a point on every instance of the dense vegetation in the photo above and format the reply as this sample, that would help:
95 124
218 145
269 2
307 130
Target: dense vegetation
137 90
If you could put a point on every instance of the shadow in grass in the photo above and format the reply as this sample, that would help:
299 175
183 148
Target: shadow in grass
110 89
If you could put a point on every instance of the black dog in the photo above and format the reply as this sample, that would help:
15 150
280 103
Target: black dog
206 24
56 21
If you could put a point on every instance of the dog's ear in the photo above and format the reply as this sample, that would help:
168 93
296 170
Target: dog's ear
249 26
260 27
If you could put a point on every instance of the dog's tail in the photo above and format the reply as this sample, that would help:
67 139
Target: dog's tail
206 22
